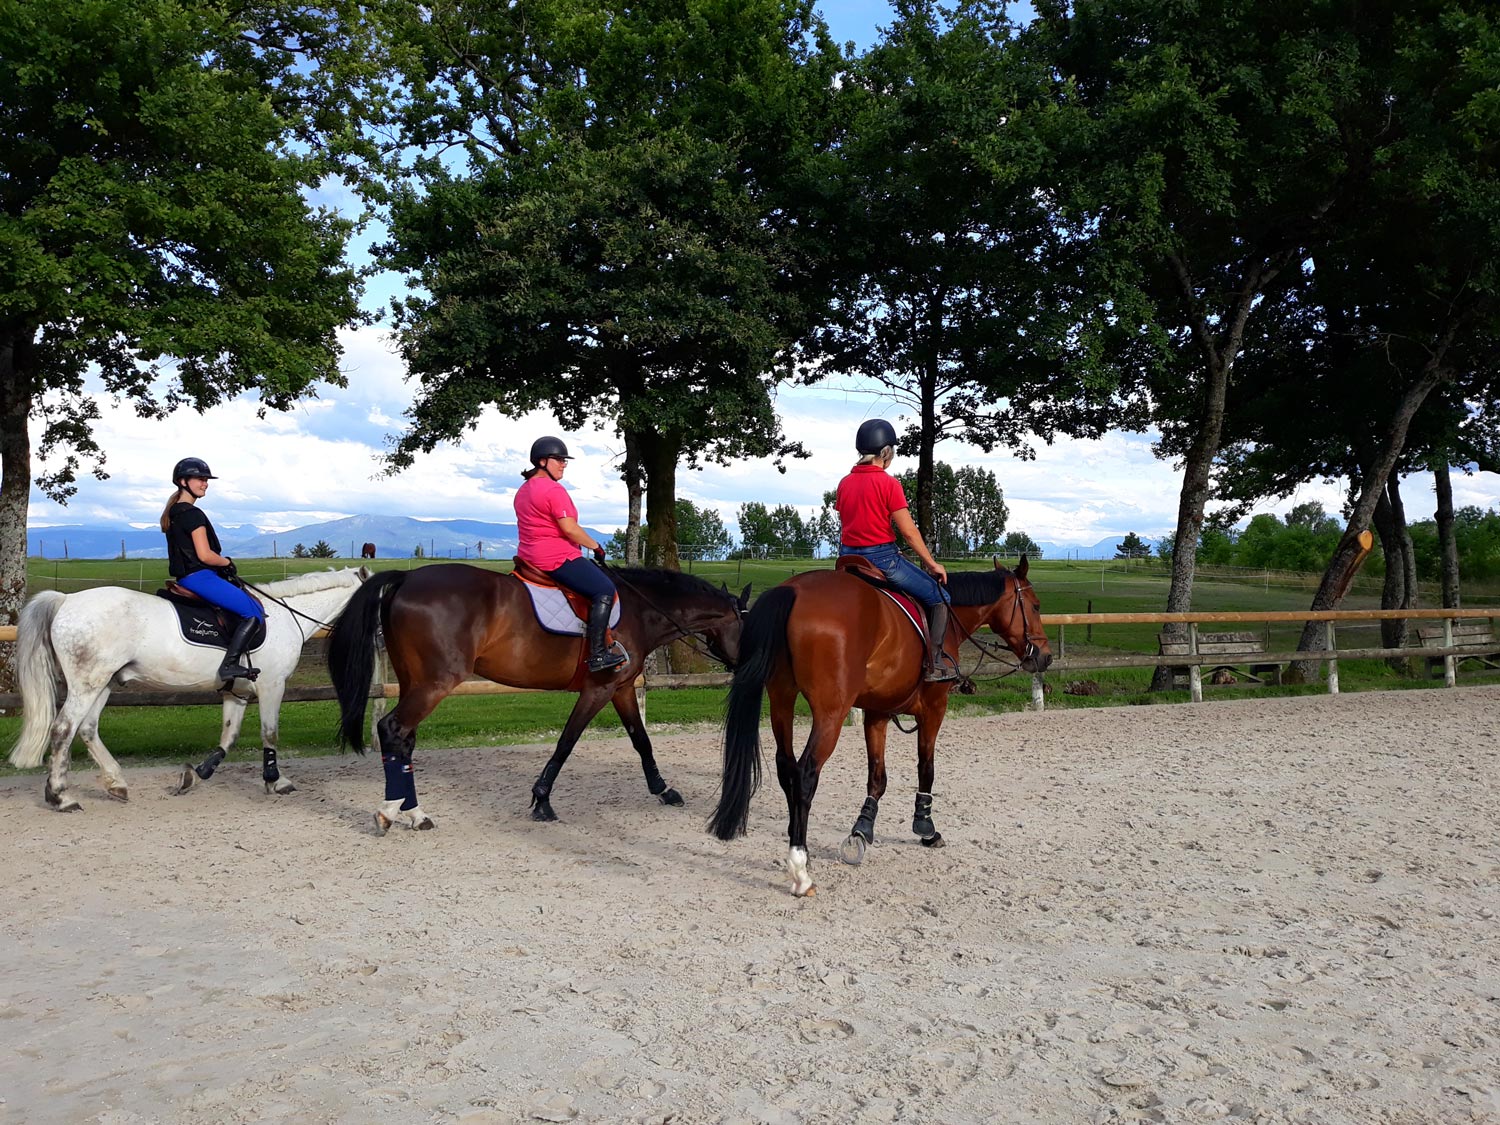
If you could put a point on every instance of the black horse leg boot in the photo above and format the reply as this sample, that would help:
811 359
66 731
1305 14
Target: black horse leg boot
236 665
939 669
601 659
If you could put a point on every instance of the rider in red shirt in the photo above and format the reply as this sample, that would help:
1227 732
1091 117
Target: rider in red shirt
550 536
869 502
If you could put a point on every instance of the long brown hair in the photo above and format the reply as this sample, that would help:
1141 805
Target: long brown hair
166 513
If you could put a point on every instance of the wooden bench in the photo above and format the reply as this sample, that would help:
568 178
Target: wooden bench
1473 639
1233 652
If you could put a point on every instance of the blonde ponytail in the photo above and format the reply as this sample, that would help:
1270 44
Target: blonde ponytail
166 513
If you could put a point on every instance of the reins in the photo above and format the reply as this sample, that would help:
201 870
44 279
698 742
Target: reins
689 637
290 609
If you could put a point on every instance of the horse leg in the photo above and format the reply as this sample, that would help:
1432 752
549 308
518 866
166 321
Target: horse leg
109 769
268 692
80 703
862 835
229 732
629 710
590 701
928 722
398 741
803 776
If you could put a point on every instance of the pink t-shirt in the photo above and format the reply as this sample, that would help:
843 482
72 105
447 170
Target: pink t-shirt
540 503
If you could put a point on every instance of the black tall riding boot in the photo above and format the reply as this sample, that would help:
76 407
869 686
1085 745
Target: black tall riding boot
939 668
236 664
601 659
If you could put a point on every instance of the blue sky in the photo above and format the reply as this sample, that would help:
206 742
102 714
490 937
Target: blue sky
321 460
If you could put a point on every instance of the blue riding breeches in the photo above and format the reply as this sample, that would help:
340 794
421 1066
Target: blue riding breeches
904 575
211 588
585 577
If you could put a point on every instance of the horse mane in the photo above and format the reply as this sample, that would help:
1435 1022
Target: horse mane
308 583
977 587
660 582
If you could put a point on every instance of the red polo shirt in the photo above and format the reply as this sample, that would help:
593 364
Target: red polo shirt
867 498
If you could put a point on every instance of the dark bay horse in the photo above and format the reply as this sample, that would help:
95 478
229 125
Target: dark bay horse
440 623
841 643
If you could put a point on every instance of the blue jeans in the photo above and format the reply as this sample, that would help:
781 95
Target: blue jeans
211 588
584 576
905 576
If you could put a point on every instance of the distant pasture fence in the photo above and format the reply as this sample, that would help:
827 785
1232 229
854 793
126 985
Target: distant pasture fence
1449 652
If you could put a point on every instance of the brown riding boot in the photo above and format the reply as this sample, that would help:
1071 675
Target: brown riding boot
939 668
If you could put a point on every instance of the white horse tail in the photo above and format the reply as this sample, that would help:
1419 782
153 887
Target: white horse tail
36 670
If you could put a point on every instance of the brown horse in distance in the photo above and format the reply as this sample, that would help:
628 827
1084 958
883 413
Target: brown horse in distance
367 551
441 623
841 643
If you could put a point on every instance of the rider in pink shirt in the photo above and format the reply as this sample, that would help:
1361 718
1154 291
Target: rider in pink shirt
551 536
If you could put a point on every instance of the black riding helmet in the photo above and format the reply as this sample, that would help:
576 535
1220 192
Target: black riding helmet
874 435
191 467
548 447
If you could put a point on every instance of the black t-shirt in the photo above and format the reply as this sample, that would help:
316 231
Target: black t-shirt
182 556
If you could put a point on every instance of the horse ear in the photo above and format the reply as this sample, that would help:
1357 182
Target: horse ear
1022 567
745 596
997 562
723 587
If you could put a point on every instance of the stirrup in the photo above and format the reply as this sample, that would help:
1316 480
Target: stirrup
605 661
944 671
230 672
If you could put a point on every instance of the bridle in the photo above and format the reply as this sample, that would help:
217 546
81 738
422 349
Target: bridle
1004 655
690 637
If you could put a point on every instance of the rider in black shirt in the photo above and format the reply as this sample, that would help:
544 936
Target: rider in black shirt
195 561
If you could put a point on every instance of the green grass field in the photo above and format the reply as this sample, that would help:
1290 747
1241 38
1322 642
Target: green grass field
142 733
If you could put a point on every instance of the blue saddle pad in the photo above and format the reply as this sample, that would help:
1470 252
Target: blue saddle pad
207 625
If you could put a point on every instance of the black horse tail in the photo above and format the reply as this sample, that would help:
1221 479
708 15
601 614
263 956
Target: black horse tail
351 653
762 644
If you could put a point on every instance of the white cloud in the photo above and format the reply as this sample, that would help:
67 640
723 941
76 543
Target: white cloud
321 460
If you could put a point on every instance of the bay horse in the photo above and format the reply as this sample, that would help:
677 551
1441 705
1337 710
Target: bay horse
367 551
839 642
442 622
97 640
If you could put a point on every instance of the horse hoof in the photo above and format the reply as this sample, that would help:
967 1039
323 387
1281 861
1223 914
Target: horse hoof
811 892
186 781
119 793
424 825
280 788
671 797
934 841
542 810
382 824
852 850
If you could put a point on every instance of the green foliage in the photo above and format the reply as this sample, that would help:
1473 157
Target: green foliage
968 509
153 225
300 552
1477 536
701 534
620 247
1133 547
322 550
1019 543
779 530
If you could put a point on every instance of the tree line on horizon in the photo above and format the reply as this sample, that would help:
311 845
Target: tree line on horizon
1274 247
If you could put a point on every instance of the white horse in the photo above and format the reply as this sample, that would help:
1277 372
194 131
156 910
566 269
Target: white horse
97 640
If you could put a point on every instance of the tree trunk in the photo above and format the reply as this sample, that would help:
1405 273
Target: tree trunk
1447 541
1396 593
659 454
15 489
926 457
634 490
1190 505
1372 487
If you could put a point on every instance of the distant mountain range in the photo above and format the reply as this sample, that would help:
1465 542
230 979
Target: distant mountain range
393 536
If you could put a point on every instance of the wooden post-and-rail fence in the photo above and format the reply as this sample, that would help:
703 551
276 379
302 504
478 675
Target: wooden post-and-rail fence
1330 654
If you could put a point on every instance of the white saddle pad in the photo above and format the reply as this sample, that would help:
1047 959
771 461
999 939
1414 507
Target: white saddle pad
554 614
